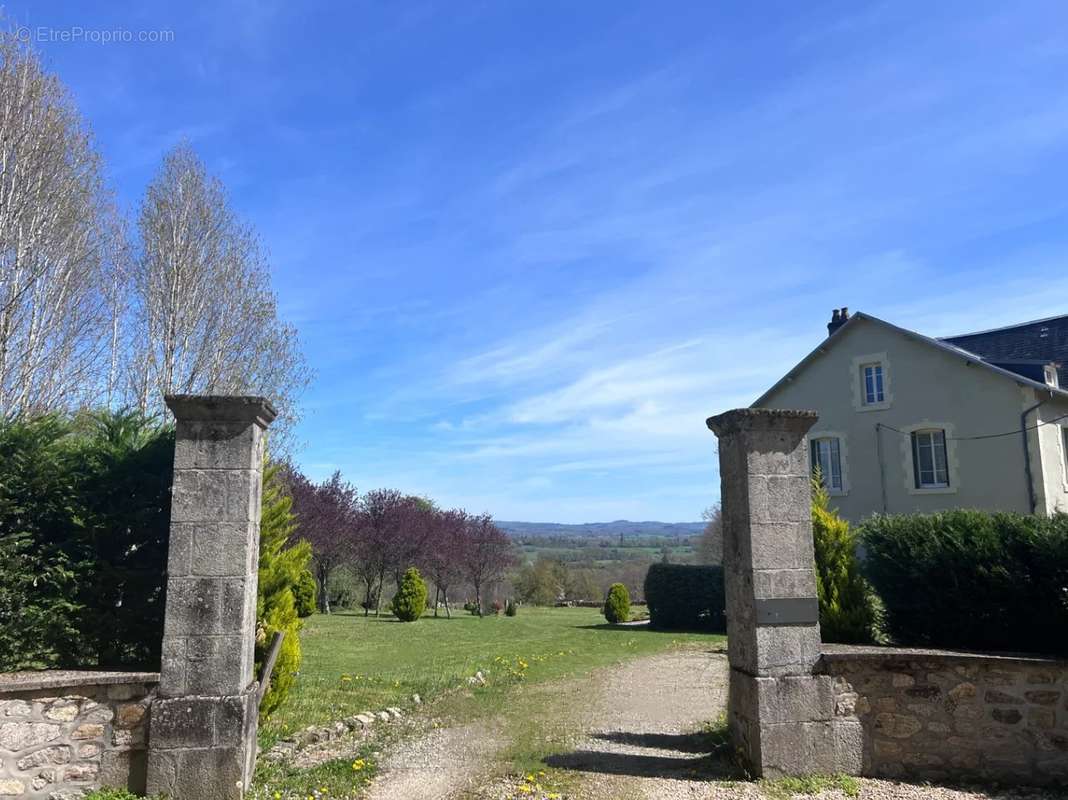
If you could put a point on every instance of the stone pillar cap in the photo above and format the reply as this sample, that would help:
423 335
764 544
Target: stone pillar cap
221 408
762 419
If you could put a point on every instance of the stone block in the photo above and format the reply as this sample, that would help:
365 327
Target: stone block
962 692
778 545
1042 718
776 583
197 606
15 708
222 549
215 774
173 670
776 462
11 787
62 711
789 499
1006 716
897 726
785 650
235 720
182 722
794 698
20 735
797 748
211 496
58 754
217 665
217 445
1002 698
88 731
1043 697
129 715
124 769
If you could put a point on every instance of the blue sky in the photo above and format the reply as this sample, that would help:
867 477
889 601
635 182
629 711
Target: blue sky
530 246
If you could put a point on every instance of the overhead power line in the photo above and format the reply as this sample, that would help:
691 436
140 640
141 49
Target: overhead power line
1016 432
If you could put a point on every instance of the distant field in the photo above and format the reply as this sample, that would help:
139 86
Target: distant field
353 663
584 554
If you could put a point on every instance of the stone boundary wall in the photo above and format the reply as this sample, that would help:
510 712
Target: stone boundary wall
942 715
64 733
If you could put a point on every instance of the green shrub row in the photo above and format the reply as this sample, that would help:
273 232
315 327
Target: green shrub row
84 524
84 531
686 597
972 579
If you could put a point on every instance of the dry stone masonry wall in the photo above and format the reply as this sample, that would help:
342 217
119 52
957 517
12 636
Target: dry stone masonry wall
63 734
935 716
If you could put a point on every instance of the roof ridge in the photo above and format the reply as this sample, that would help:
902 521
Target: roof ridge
1006 327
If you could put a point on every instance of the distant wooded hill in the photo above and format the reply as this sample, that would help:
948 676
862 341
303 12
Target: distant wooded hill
601 530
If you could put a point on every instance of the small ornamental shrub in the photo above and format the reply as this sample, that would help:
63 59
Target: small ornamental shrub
847 604
305 593
686 597
410 600
617 604
972 579
510 610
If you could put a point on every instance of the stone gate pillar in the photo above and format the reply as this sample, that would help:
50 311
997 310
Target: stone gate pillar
202 728
781 715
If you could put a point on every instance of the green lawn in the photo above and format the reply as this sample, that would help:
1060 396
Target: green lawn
354 663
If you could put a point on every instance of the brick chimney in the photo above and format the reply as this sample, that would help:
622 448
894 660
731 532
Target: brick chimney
839 317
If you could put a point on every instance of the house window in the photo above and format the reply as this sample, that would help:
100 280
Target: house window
929 461
1051 376
871 380
827 458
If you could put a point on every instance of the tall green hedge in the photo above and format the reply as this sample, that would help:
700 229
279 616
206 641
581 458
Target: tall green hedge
972 579
686 597
84 531
84 518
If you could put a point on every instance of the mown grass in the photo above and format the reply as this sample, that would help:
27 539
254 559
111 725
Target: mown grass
354 663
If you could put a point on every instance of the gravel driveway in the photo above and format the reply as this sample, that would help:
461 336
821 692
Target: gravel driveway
640 739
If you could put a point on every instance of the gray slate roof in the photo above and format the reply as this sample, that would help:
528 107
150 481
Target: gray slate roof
1043 340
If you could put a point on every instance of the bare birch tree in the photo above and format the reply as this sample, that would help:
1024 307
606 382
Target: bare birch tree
57 229
205 316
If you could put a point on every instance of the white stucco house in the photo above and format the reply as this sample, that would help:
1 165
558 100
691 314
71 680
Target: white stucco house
912 423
